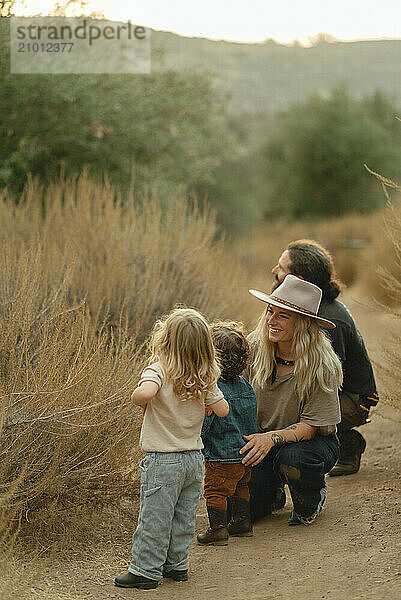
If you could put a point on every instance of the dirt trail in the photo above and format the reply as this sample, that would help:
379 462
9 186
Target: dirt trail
352 550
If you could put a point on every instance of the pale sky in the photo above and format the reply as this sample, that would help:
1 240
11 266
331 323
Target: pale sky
255 20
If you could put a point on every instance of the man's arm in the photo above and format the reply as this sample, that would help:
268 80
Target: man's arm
259 444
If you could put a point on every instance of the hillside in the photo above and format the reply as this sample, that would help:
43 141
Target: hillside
264 77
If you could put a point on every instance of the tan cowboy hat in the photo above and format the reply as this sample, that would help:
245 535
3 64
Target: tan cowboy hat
297 295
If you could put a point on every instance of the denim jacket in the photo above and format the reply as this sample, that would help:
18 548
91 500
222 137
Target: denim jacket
222 436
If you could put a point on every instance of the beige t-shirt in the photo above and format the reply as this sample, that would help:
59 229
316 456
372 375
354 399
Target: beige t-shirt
171 424
279 406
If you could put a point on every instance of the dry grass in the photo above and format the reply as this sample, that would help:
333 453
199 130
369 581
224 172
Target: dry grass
359 245
82 279
390 277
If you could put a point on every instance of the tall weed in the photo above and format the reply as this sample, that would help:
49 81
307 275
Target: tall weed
389 272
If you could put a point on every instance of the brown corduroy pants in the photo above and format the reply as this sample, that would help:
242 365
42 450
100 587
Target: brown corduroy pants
225 480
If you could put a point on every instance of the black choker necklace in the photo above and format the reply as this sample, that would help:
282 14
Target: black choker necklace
281 361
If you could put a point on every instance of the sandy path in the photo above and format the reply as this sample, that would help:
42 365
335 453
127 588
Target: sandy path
352 551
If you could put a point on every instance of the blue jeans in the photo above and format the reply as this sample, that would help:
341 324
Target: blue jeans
302 465
171 485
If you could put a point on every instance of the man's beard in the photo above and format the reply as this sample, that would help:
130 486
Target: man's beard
275 284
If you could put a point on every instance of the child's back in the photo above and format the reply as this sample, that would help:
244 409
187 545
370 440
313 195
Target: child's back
173 391
222 437
171 424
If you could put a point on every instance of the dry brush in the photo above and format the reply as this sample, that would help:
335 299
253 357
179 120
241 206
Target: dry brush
83 276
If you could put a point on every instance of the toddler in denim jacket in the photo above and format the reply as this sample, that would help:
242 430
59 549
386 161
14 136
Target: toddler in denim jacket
225 475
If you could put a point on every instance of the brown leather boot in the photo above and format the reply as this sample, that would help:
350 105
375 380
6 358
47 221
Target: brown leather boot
217 534
240 524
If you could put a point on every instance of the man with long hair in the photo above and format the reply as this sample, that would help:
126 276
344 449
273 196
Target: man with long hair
310 261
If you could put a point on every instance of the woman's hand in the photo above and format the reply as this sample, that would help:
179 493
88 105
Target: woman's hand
259 444
257 447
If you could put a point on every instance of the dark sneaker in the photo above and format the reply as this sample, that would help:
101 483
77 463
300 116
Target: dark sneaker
293 520
129 580
345 468
176 575
299 520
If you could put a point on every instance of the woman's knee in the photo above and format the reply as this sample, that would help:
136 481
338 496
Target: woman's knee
289 461
295 462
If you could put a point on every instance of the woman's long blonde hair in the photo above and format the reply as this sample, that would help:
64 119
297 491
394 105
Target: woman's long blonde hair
182 342
314 357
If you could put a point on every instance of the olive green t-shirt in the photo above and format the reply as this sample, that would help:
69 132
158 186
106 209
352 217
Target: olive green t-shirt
279 405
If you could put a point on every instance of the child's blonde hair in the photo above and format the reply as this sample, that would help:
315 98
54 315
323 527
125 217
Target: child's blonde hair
182 342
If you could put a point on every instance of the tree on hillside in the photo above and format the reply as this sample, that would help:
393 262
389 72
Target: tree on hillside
168 129
315 159
163 130
165 125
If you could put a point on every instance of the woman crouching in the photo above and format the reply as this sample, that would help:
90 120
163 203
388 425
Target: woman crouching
296 375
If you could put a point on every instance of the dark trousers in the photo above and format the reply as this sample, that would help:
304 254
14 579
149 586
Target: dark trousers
352 414
302 465
225 480
352 442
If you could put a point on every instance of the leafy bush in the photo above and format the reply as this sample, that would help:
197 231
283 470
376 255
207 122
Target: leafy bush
315 159
153 131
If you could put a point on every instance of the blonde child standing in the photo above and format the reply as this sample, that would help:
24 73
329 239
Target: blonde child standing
174 391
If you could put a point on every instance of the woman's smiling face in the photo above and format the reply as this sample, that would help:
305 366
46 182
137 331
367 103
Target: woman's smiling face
280 323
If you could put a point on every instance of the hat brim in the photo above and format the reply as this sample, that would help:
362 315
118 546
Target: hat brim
319 320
